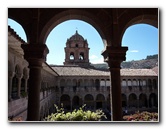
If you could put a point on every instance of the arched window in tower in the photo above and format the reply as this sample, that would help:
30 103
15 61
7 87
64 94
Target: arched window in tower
71 56
81 56
76 45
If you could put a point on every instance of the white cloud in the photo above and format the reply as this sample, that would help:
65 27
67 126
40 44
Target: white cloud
96 60
134 51
93 57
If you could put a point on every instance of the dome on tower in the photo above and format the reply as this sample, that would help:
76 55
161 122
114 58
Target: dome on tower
76 36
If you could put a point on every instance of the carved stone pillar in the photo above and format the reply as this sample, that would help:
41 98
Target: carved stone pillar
114 56
19 85
10 78
26 82
35 54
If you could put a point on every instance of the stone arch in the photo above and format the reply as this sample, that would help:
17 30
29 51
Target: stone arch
89 101
21 26
68 15
69 82
86 82
132 100
129 83
72 56
74 82
153 100
62 83
144 82
124 83
91 82
108 83
100 99
75 102
65 101
143 100
80 82
81 56
124 100
135 82
151 19
97 84
102 82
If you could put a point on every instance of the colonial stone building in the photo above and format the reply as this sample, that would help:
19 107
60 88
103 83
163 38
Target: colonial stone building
76 82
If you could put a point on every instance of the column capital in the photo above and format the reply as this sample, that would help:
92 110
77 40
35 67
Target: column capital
35 52
11 74
114 56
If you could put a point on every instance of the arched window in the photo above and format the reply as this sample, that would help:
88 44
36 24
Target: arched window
134 82
100 99
124 82
129 82
62 83
102 82
139 82
81 56
71 56
108 82
144 82
89 101
65 101
132 100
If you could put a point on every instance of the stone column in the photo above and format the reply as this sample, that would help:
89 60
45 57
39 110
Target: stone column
114 56
19 85
26 82
10 78
35 54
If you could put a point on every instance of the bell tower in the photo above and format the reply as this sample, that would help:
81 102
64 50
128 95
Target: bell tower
77 51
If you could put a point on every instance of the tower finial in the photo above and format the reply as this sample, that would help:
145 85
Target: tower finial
76 30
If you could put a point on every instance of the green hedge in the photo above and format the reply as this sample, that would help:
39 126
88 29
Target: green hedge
76 115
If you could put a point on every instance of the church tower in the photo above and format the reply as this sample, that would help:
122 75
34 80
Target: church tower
77 51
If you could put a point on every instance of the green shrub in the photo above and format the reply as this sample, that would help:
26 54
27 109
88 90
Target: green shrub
76 115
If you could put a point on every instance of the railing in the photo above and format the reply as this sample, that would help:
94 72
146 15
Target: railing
124 89
82 89
137 89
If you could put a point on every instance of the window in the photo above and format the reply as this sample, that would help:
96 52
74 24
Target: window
81 57
71 56
124 82
102 82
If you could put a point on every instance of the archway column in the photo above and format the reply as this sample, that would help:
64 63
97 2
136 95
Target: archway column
114 56
35 54
10 78
26 84
19 85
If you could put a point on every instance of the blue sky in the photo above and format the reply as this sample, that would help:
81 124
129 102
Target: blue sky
142 40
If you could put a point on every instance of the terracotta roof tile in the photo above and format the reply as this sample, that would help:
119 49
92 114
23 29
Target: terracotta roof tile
79 71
